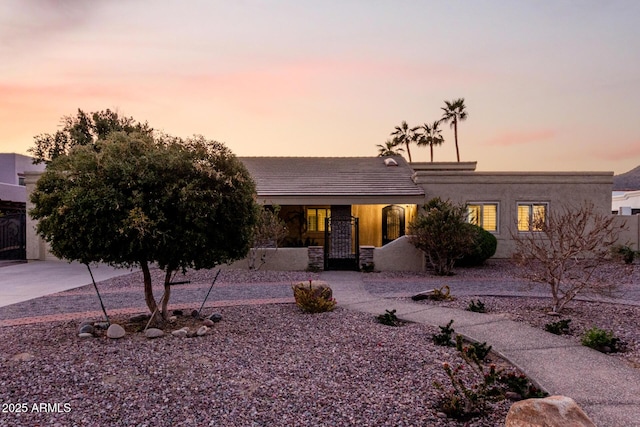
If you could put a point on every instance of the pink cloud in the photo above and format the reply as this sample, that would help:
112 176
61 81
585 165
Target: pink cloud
507 139
615 152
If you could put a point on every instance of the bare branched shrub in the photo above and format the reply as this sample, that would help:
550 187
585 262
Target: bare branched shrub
570 253
269 232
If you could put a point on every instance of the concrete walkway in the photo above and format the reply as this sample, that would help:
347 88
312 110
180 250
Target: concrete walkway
607 389
25 281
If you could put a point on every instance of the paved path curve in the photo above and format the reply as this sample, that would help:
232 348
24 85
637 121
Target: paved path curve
606 388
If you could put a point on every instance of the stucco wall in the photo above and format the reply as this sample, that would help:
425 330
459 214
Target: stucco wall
558 189
281 259
631 235
399 255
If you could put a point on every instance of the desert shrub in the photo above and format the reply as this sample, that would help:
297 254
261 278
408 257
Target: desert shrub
389 318
313 298
444 337
484 247
477 307
624 252
559 328
440 231
601 340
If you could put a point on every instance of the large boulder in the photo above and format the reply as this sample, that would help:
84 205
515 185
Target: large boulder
553 411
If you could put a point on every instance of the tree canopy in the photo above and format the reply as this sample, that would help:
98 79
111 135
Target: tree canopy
131 199
83 130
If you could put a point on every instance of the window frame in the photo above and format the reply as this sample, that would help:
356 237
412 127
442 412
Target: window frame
531 205
481 221
320 228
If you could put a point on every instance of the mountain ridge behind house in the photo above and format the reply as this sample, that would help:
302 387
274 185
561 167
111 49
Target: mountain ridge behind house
628 181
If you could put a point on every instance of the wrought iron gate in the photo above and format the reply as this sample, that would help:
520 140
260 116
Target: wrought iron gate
341 245
13 236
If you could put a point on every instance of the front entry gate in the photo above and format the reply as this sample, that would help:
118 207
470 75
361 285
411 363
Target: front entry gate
341 245
13 236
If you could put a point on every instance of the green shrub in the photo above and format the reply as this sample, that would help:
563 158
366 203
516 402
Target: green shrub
439 230
444 337
484 247
624 253
389 318
313 298
601 340
559 328
477 307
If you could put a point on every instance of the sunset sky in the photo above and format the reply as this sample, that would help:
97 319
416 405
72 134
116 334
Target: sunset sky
549 85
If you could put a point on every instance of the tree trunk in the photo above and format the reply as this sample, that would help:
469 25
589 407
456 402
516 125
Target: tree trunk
455 134
408 151
167 294
148 289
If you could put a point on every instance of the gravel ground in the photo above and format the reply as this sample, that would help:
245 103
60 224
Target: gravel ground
271 365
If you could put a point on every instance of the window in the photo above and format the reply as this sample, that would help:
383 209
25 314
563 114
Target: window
316 218
484 215
531 216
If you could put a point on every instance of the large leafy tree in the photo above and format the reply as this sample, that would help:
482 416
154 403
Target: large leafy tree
83 130
390 148
454 112
430 135
134 200
403 134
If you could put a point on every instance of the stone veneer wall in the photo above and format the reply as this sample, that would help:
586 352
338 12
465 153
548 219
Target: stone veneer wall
316 257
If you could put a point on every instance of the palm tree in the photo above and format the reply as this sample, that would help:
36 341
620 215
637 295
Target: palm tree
389 149
430 136
454 112
405 135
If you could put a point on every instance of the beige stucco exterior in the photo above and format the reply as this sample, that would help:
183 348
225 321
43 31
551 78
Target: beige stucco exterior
462 184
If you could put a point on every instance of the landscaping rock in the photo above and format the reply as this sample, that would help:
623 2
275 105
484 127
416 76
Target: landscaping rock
153 333
115 331
215 317
101 325
195 313
85 335
139 318
553 411
208 322
180 333
86 329
177 312
86 322
173 319
202 330
23 357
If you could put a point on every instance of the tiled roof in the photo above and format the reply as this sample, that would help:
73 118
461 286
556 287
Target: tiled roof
331 176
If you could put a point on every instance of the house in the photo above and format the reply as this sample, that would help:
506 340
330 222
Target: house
13 197
354 212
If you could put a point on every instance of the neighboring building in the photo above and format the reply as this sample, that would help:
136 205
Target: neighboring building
625 202
13 195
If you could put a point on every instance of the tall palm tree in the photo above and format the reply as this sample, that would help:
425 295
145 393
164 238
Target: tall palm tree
389 149
430 136
404 135
454 112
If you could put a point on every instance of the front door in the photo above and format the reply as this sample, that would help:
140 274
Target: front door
392 223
